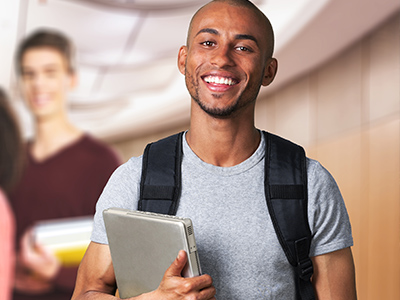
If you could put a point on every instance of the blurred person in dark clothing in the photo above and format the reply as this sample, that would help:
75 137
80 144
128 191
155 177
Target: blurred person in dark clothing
66 169
11 151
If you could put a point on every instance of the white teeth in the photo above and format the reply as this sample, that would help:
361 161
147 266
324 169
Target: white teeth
41 99
219 80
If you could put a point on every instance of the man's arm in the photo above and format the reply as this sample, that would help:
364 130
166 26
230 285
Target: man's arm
95 274
96 279
334 276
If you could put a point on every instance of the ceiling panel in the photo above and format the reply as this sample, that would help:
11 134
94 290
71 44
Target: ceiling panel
162 35
152 78
146 5
100 35
127 51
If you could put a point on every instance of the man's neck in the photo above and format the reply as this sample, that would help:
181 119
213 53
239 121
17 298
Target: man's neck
223 142
52 135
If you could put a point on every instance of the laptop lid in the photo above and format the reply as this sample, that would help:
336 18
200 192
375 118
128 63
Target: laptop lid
143 245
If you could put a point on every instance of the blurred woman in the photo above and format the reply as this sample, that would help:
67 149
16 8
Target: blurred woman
10 167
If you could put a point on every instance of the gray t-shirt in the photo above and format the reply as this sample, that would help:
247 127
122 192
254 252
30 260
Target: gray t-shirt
236 240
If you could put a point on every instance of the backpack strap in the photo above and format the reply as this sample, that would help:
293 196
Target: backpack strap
286 196
160 185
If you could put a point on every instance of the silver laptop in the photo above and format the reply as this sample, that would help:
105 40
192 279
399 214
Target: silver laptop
143 245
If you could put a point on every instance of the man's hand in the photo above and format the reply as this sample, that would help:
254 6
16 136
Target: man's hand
36 266
96 279
28 283
174 286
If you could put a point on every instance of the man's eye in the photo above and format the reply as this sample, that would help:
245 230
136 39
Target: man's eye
27 75
51 73
242 48
208 43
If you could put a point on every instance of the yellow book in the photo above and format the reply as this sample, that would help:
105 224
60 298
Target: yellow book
67 238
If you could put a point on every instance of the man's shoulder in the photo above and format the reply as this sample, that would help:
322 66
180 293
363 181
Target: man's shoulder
98 150
92 143
129 171
313 165
315 170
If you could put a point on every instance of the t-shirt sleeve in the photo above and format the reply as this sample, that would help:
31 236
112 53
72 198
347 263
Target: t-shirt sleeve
328 218
121 191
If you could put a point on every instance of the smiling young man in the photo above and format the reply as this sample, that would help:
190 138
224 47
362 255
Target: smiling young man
227 58
66 168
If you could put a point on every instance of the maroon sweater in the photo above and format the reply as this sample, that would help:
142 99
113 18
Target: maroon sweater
66 184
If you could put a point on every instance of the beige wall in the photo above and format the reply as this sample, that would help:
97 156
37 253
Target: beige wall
347 115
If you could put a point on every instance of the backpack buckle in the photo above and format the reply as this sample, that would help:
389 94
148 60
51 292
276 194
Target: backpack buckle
305 269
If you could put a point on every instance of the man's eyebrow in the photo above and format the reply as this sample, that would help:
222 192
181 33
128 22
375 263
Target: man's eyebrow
49 65
208 30
52 66
238 36
46 68
246 37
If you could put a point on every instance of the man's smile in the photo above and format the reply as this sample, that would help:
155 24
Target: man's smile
41 99
220 80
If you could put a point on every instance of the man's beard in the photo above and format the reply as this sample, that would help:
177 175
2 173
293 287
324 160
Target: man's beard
214 112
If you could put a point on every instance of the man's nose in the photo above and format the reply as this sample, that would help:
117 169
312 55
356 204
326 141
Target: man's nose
222 57
38 80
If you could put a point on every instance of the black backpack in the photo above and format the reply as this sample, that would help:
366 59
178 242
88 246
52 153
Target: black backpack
285 191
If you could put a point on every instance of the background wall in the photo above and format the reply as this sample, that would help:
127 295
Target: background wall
347 115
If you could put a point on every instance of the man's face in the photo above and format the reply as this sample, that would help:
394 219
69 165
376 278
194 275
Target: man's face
225 60
45 81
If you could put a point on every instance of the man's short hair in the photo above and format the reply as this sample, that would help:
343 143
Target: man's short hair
49 38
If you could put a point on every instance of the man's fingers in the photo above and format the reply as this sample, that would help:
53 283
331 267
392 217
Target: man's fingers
26 240
174 286
206 281
205 287
208 293
177 266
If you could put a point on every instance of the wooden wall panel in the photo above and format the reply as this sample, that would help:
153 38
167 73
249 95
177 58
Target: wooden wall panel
292 118
384 77
342 157
384 212
339 94
265 114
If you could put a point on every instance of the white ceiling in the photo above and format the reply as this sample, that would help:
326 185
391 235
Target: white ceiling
126 51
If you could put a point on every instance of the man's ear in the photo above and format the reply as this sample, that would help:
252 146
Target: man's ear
73 80
271 68
182 59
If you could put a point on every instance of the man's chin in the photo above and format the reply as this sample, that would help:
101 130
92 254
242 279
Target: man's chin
220 113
